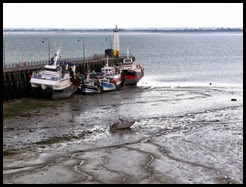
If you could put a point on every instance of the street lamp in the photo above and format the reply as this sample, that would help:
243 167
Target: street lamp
48 46
109 41
83 46
3 55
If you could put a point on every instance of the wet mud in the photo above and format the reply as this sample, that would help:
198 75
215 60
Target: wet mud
181 135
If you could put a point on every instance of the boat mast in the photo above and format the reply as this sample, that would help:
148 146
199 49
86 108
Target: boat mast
74 68
56 57
88 76
107 61
116 42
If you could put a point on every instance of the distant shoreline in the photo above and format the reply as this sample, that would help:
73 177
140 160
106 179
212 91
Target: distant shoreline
199 30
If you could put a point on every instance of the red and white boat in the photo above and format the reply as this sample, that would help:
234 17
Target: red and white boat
132 71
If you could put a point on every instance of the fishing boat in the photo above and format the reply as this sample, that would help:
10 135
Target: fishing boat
107 84
121 124
54 81
91 85
132 71
113 74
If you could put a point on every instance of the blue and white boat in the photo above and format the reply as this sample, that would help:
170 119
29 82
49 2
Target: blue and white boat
107 85
91 85
113 74
54 81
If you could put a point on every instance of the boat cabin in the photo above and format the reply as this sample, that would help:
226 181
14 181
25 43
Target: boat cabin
104 80
52 68
127 61
108 70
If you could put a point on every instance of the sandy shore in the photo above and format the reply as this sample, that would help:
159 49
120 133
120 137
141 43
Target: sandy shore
181 135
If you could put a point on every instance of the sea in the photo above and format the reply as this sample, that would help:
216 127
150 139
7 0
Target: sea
169 59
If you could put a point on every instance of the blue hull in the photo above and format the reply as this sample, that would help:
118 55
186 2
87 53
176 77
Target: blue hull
108 86
90 89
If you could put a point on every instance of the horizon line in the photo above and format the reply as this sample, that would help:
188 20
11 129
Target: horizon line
219 27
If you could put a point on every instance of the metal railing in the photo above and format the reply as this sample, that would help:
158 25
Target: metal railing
44 62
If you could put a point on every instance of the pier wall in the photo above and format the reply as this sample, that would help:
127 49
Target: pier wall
16 78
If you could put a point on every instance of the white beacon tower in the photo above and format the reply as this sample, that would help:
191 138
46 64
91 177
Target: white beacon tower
116 42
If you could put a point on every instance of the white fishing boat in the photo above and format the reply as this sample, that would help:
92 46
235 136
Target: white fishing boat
55 80
121 124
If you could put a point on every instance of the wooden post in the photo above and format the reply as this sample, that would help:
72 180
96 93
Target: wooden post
16 85
10 87
5 95
21 84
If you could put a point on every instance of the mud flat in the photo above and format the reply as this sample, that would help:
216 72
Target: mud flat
181 135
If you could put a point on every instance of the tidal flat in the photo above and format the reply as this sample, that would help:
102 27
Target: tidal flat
180 135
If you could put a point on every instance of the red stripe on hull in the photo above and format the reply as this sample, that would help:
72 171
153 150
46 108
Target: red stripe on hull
131 77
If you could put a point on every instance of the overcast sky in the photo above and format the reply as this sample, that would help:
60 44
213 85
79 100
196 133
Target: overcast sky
125 15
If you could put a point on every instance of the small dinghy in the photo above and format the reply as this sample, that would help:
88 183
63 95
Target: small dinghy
121 124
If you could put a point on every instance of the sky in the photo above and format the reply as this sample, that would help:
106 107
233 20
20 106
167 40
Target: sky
125 15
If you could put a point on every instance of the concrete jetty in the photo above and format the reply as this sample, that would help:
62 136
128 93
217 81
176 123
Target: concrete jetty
16 77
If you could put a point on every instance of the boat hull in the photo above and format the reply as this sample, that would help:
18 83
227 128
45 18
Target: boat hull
89 89
108 86
131 77
121 125
53 94
116 79
60 94
38 92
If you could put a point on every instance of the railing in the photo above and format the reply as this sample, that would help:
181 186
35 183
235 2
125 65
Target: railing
44 62
25 64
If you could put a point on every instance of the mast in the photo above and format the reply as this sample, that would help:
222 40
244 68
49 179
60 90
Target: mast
56 57
116 42
74 68
107 61
88 76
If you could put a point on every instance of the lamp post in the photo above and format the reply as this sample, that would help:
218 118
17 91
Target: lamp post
109 41
83 46
48 47
3 55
